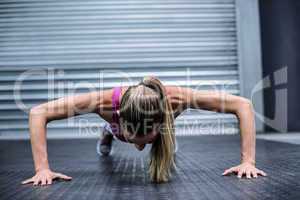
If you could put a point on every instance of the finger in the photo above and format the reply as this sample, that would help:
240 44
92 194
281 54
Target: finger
27 181
262 173
228 171
248 174
36 181
49 181
65 177
54 176
240 174
254 173
43 181
59 175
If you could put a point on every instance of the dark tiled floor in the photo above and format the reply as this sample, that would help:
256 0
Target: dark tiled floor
201 161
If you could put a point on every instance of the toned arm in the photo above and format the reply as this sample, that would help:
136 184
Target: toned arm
64 107
53 110
219 101
224 102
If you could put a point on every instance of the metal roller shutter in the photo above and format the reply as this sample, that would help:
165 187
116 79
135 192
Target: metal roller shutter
63 47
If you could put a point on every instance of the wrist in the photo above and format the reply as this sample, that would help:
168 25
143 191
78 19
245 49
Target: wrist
248 161
248 157
41 164
41 169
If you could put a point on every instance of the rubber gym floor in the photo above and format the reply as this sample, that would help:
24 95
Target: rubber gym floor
123 175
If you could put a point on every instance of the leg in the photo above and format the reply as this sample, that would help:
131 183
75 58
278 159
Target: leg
104 144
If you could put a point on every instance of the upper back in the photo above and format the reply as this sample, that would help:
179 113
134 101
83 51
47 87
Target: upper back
174 94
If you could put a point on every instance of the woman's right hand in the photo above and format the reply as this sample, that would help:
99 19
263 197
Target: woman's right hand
45 177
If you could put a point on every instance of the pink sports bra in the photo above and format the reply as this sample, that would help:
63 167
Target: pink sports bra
115 125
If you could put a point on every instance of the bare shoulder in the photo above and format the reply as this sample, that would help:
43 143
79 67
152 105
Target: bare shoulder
177 97
104 109
176 90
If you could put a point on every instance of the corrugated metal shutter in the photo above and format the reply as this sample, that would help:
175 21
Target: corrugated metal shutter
73 46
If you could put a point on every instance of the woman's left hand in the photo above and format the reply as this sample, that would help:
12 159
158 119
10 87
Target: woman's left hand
245 168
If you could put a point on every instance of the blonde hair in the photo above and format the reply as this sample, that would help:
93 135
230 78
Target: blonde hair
147 103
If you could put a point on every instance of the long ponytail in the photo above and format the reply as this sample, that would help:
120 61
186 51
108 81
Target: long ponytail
162 160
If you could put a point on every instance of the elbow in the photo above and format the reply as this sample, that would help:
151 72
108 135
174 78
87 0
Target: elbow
246 102
245 105
37 112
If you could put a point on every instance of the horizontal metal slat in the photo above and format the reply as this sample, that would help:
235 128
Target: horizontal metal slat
118 53
229 86
92 41
119 4
121 1
79 31
91 75
118 66
114 24
97 36
105 21
107 47
178 82
203 61
121 8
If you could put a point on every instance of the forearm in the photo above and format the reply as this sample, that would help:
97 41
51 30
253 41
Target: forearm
247 128
37 127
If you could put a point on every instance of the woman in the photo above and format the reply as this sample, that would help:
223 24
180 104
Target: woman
142 114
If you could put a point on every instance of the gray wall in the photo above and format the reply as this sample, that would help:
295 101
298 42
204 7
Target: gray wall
280 30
